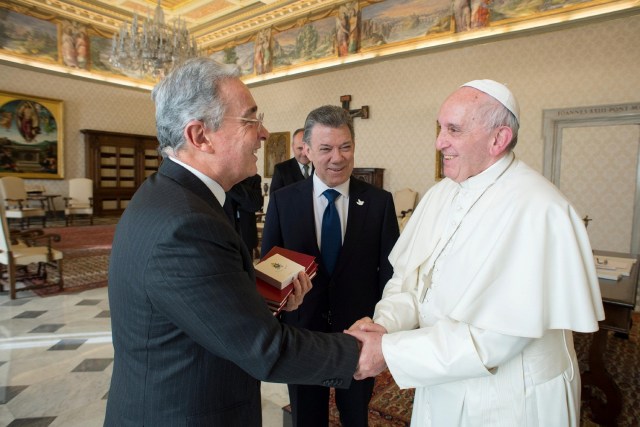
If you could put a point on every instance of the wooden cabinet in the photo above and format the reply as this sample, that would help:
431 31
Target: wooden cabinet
373 176
118 163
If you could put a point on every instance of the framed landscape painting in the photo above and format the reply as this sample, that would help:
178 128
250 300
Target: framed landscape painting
31 137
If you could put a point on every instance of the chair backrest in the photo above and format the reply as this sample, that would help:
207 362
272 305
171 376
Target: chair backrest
5 241
12 187
404 200
81 189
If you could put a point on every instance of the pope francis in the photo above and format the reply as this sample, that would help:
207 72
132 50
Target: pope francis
491 274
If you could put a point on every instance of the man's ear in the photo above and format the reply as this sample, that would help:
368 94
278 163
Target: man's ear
307 151
195 134
501 140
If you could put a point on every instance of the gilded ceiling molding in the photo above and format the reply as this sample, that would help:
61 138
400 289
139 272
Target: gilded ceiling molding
59 9
280 16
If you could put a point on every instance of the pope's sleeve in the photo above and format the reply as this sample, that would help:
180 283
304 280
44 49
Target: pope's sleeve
446 352
398 309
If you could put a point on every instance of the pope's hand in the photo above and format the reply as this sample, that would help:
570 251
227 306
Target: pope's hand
371 361
359 323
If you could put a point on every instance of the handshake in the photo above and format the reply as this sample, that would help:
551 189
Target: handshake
369 335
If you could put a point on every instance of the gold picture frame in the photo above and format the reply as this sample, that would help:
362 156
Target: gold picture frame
276 150
31 141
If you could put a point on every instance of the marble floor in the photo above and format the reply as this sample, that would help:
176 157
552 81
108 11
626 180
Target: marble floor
56 360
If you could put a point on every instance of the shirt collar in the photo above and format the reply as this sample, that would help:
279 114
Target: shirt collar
215 188
489 175
319 187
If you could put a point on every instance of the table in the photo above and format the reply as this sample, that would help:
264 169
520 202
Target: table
618 300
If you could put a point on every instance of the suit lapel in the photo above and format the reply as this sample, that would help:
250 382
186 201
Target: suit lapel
296 173
306 214
357 215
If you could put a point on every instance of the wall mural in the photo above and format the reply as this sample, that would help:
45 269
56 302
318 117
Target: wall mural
324 37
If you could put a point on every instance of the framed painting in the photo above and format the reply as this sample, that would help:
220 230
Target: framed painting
276 150
31 140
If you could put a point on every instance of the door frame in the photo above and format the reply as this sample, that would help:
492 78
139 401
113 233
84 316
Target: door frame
554 121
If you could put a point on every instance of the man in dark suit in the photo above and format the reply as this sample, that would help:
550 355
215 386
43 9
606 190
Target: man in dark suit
295 169
242 202
367 231
191 334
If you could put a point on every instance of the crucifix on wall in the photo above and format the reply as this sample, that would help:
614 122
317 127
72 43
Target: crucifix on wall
362 112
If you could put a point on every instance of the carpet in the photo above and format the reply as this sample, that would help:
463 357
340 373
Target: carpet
389 406
83 240
86 252
392 407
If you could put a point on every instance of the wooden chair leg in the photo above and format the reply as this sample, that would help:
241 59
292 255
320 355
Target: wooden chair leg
11 277
60 275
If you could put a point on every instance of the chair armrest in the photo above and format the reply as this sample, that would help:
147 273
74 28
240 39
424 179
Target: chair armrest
49 238
21 235
19 202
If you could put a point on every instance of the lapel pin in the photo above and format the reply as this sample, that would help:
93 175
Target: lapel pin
359 202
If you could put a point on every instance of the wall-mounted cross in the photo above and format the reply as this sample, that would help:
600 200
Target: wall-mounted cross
362 112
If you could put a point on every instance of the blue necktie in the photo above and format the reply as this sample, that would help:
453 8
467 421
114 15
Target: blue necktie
331 236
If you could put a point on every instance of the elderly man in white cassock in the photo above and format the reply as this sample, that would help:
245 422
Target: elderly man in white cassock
492 273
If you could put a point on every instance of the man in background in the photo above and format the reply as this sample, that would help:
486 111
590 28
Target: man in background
491 274
350 227
192 337
241 204
295 169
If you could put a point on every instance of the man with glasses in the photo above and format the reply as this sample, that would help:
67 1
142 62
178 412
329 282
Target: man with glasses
295 169
191 334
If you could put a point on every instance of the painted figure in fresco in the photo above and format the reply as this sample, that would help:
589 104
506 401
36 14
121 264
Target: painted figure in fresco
479 13
470 14
69 54
5 119
342 27
27 120
347 29
262 55
82 47
353 27
462 14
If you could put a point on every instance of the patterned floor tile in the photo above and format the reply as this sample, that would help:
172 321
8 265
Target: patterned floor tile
32 422
89 302
29 314
46 328
68 344
9 392
105 313
93 365
15 302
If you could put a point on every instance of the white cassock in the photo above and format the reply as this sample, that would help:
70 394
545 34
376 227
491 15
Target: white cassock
490 277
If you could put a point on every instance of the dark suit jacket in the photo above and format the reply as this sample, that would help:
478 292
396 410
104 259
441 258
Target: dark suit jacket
190 331
242 202
286 173
362 269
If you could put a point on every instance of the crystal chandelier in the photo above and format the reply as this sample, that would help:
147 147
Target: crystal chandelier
153 49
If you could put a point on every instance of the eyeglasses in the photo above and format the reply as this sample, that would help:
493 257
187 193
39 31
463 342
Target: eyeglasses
258 122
